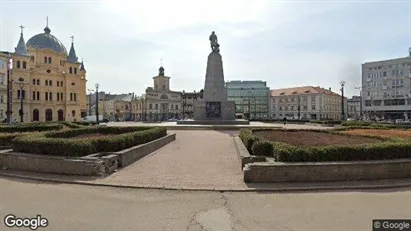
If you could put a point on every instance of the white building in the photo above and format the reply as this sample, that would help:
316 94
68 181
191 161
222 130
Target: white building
386 88
311 103
354 109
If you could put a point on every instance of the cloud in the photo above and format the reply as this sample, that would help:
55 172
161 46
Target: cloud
286 43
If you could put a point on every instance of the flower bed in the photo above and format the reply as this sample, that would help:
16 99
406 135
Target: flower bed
58 143
354 147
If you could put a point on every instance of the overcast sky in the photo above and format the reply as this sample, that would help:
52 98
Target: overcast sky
286 43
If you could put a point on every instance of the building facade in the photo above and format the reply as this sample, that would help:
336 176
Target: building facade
188 101
252 98
48 83
354 108
161 103
4 60
308 103
386 88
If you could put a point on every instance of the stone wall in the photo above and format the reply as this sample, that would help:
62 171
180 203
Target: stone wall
327 171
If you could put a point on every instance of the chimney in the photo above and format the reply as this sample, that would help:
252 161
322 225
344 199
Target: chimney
329 88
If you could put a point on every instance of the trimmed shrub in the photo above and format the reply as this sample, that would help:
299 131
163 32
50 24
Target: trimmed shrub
246 135
30 127
262 148
6 138
85 123
392 148
377 151
71 124
325 121
58 143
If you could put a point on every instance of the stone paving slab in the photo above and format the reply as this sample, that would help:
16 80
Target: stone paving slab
196 159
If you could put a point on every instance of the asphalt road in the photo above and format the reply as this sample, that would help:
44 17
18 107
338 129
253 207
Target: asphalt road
76 207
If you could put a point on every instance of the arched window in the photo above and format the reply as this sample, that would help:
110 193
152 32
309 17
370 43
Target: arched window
61 95
75 71
61 83
49 59
38 81
71 70
24 64
18 64
73 113
34 82
45 59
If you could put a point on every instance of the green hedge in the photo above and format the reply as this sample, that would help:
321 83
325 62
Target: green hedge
85 123
57 143
378 151
6 138
393 148
355 123
30 127
326 121
71 124
262 148
248 138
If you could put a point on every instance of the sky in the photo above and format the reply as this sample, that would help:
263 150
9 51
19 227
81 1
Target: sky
285 43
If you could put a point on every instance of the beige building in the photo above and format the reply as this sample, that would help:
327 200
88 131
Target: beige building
188 100
50 82
311 103
4 59
386 88
161 103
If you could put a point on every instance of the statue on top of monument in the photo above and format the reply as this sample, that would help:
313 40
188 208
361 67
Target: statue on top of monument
214 42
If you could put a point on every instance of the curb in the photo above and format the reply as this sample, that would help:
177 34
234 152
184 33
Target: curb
279 189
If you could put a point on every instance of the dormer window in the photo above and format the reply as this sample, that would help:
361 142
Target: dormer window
282 93
48 71
307 92
294 93
73 84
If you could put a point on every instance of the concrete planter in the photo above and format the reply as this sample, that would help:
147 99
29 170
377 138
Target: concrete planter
271 172
92 165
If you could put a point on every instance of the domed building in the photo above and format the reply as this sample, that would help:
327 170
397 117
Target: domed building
48 82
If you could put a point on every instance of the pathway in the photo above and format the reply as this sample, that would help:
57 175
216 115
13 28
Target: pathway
75 207
196 159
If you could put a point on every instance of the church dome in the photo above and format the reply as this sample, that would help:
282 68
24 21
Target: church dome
47 41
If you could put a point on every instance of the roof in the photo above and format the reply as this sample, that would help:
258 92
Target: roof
47 41
302 90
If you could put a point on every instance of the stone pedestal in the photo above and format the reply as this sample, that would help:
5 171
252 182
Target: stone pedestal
214 108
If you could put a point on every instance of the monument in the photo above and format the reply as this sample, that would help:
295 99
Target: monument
214 108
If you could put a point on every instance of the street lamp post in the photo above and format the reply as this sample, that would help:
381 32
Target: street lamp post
183 94
89 101
21 112
342 83
361 105
8 112
249 105
299 107
97 115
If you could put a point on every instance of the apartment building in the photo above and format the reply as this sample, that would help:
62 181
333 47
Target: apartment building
386 88
354 108
189 98
308 102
